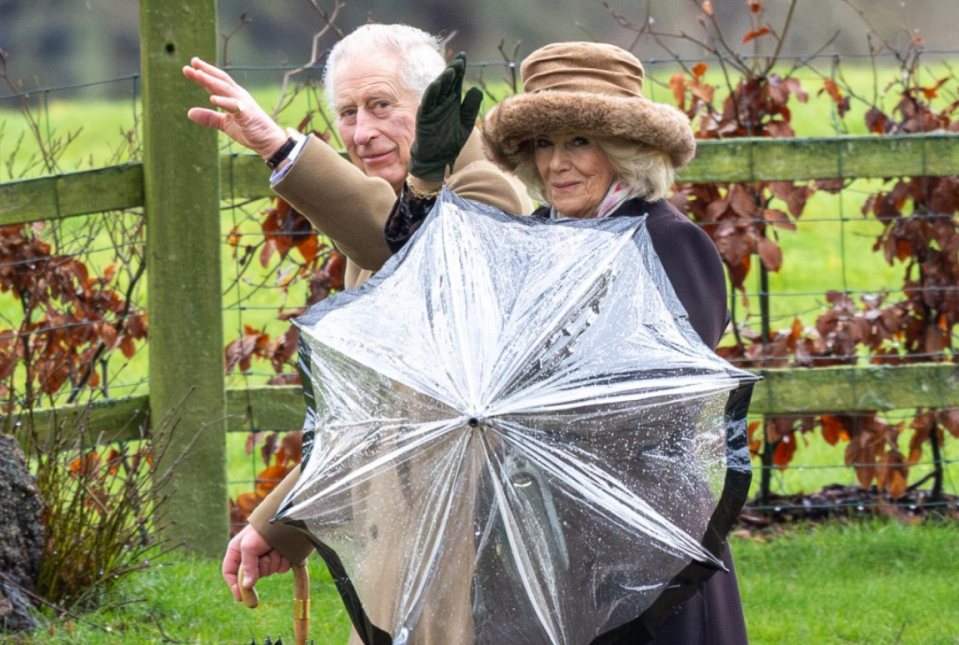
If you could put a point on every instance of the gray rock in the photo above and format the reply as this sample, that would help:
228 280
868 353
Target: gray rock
21 537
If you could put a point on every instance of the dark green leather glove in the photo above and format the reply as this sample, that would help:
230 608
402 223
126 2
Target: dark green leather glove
443 122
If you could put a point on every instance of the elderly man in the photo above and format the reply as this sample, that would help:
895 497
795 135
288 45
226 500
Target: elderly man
375 79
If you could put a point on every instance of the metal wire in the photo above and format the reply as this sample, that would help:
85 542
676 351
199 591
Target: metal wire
245 294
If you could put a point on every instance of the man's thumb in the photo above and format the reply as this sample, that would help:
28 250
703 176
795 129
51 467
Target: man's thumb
246 578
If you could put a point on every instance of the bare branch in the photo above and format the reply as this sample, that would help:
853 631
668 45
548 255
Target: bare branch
315 54
781 39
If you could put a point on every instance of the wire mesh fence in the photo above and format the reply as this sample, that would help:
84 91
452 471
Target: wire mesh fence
845 270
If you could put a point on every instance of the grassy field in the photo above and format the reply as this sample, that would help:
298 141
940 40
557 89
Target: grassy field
876 583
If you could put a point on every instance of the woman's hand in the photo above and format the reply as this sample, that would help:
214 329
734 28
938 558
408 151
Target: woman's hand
242 119
444 122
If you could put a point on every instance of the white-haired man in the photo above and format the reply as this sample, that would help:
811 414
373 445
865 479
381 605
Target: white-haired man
375 79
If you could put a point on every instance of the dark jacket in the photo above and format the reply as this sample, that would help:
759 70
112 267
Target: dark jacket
714 615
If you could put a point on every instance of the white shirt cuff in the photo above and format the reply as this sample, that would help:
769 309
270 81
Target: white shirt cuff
279 173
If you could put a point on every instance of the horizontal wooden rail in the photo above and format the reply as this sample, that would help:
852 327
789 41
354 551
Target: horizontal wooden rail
782 391
243 176
78 193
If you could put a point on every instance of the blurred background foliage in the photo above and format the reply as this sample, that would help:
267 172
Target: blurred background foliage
54 43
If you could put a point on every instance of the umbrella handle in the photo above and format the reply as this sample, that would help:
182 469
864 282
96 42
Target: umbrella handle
301 603
301 600
250 598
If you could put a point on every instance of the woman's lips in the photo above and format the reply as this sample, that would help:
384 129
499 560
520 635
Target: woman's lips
565 187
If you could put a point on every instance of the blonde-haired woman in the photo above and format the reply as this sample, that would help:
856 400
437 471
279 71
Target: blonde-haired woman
587 143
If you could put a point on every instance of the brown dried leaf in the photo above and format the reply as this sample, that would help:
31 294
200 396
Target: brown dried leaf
755 444
269 447
268 479
771 254
677 83
126 346
785 450
797 89
835 429
702 91
291 448
877 122
779 219
742 202
949 419
253 439
108 334
892 475
246 503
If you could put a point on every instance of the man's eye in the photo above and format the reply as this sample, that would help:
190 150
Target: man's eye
380 107
347 114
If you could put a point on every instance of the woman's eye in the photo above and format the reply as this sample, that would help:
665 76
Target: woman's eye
543 143
580 141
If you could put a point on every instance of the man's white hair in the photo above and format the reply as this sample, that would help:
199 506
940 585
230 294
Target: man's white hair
420 55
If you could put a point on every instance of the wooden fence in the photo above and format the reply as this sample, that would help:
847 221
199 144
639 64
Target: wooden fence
178 185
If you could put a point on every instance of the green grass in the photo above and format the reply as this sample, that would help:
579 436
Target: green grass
866 583
184 600
881 583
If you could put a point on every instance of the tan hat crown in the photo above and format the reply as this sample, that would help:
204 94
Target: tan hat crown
593 68
593 88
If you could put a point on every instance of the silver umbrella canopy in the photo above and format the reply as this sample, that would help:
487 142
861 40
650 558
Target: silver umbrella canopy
515 436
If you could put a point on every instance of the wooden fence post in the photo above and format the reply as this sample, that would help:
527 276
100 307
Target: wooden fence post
181 200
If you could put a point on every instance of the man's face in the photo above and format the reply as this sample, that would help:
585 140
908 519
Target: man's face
377 115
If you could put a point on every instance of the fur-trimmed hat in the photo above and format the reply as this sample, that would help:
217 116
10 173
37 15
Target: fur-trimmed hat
590 88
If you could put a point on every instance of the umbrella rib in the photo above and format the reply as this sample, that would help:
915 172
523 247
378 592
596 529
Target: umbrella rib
596 486
427 435
518 548
612 393
369 360
441 529
571 301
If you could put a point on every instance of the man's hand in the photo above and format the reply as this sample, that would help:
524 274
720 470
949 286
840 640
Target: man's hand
242 119
444 122
258 559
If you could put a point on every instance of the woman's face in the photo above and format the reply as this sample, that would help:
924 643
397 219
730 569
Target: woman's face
576 172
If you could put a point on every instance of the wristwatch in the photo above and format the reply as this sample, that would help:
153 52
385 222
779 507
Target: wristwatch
285 150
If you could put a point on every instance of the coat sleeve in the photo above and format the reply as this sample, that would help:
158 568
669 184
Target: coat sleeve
695 271
483 182
340 201
287 540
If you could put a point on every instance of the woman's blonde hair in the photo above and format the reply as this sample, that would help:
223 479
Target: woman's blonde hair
638 165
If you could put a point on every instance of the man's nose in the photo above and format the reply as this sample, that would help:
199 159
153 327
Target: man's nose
366 129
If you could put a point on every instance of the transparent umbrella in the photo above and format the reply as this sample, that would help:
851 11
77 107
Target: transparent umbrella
515 436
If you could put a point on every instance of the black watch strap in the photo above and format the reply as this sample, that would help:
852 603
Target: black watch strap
281 154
